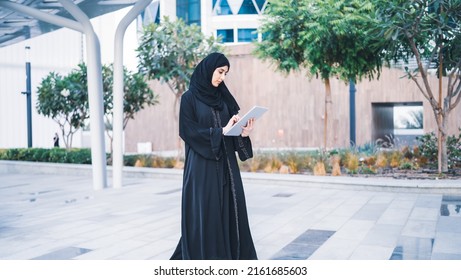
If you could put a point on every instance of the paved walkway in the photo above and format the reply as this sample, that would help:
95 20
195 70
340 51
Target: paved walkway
52 216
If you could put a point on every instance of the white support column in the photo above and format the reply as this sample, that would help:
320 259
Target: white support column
168 8
95 98
206 12
117 164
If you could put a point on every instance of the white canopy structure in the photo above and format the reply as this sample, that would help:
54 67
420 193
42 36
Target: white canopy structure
24 19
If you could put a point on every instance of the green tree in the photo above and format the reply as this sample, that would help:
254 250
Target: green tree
430 32
65 100
326 37
137 95
169 51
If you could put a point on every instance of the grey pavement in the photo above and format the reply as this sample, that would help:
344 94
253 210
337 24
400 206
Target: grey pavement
50 211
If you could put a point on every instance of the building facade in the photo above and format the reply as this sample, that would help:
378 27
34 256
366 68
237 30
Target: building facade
235 21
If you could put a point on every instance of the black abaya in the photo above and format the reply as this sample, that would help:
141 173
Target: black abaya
214 222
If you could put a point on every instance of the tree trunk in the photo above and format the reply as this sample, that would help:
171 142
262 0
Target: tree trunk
441 121
443 151
327 105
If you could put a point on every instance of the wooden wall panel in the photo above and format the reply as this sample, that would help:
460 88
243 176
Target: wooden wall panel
296 106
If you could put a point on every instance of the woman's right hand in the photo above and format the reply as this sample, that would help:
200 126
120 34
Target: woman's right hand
232 121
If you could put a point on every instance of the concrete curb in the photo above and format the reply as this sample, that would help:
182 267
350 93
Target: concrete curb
341 182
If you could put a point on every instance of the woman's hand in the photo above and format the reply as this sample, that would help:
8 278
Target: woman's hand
234 119
248 128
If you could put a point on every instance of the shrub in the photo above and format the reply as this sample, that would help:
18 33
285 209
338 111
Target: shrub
3 154
41 155
294 161
82 156
351 162
273 165
428 150
129 160
381 160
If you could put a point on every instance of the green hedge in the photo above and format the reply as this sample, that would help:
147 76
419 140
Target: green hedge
80 156
77 156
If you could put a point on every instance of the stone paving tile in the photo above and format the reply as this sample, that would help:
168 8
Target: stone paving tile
419 228
413 248
443 256
449 224
111 251
63 254
42 215
331 222
429 201
383 235
427 214
354 230
447 243
370 212
372 252
394 216
335 249
149 251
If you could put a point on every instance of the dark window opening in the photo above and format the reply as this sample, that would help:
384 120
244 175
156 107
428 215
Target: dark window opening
247 8
226 35
189 11
397 124
247 35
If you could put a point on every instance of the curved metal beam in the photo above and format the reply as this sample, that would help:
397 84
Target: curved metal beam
117 154
50 18
95 98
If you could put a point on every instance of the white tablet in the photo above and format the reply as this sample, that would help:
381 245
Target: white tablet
255 112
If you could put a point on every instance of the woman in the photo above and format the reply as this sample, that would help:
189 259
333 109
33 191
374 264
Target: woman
214 222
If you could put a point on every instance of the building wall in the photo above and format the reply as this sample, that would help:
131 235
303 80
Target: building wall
296 107
56 51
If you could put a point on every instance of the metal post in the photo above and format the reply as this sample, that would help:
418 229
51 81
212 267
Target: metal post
352 112
95 98
117 163
29 99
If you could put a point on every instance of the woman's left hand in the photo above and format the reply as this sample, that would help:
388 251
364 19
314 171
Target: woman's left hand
248 128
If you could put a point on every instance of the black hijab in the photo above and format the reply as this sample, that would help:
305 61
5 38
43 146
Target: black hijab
203 89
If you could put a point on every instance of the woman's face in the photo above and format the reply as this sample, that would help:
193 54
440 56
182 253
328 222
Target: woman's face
219 75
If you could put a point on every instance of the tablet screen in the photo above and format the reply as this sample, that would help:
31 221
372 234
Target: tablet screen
255 112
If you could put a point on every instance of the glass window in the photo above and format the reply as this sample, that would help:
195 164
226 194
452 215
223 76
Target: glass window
149 15
247 35
189 11
408 117
260 4
226 35
247 8
397 124
223 8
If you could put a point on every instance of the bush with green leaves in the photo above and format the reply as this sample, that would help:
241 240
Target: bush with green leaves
428 149
57 155
65 98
